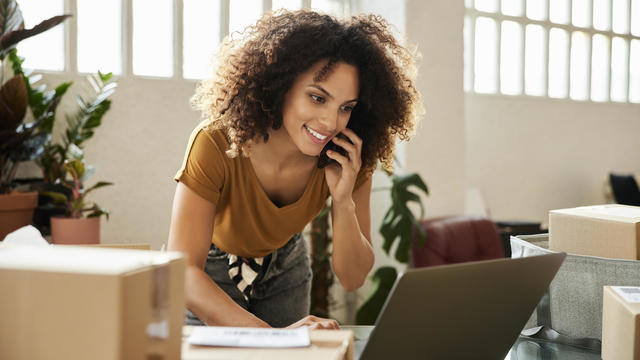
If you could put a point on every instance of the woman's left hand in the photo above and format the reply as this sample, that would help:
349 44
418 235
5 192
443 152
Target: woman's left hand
342 178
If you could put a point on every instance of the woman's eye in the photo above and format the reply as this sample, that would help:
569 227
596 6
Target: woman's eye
317 99
347 108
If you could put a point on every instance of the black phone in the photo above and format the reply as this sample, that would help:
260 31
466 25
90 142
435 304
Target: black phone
358 116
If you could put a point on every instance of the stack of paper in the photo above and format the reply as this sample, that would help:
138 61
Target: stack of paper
249 337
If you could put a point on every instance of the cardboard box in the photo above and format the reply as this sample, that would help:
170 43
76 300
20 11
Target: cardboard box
137 246
71 302
325 345
621 323
611 231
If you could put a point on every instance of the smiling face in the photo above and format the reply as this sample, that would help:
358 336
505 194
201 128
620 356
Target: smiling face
314 112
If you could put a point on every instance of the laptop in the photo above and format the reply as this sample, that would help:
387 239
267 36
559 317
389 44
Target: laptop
472 310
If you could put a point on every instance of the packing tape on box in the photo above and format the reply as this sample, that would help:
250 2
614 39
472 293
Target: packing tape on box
159 326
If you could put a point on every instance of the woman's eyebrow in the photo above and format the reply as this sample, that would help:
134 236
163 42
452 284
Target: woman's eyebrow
327 93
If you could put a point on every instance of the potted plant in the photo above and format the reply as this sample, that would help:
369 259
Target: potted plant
20 140
399 224
81 221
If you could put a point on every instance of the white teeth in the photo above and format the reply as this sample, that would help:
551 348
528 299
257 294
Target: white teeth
316 134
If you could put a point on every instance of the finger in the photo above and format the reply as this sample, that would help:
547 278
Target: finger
350 148
341 159
355 139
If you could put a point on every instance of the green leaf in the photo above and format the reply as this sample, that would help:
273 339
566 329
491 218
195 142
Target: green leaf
57 197
383 280
97 211
97 186
414 179
422 236
404 244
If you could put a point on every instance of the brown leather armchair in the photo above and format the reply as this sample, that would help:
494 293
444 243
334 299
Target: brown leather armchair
456 239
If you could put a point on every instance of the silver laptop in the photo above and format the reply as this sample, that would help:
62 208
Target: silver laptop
472 310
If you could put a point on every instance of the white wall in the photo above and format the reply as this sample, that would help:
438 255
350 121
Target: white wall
437 151
139 147
528 156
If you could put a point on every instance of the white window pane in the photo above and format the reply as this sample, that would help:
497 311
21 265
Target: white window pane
332 7
99 36
487 5
286 4
635 17
621 16
581 11
559 11
243 13
534 66
634 76
153 37
619 65
467 53
467 3
558 63
579 66
201 37
513 7
486 56
600 68
537 9
602 14
46 50
511 58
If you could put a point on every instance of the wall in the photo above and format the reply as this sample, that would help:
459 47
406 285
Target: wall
528 156
139 147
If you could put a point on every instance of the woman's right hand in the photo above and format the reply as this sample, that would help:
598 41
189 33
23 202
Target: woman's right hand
314 322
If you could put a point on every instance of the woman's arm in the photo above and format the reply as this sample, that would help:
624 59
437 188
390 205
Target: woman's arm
190 232
352 257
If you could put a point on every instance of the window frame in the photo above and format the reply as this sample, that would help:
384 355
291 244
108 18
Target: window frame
71 39
471 15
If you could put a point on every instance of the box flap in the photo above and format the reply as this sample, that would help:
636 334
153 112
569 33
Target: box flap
71 259
614 212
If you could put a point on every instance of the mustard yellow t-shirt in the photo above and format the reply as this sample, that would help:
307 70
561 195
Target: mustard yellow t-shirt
247 223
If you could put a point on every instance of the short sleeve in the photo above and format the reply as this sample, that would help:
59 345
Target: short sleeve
203 168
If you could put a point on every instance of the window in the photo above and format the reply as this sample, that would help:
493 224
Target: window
584 50
49 42
151 38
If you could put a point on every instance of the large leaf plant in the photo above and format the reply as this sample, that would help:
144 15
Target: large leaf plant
20 140
398 227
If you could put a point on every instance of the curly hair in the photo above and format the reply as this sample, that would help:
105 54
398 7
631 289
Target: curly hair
253 74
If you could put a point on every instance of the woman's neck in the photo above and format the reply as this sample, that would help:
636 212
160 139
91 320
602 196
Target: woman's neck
279 151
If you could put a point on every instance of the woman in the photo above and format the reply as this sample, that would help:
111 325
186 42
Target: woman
301 108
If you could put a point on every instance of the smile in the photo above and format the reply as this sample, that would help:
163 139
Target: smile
319 138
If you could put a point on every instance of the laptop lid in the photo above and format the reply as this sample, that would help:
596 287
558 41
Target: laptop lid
472 310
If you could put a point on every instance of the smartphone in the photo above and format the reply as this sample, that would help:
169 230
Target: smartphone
356 121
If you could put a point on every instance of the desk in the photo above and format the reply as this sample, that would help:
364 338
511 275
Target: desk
523 349
337 345
325 345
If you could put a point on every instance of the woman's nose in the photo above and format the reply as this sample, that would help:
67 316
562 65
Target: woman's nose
329 120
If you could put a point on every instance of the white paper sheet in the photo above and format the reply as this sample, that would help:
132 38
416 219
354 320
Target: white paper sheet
249 337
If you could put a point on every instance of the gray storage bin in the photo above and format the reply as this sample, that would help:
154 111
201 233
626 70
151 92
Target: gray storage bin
576 291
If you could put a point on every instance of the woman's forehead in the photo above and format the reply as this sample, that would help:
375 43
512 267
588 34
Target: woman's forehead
340 79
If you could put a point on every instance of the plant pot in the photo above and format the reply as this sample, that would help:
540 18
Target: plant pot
16 211
42 215
72 231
